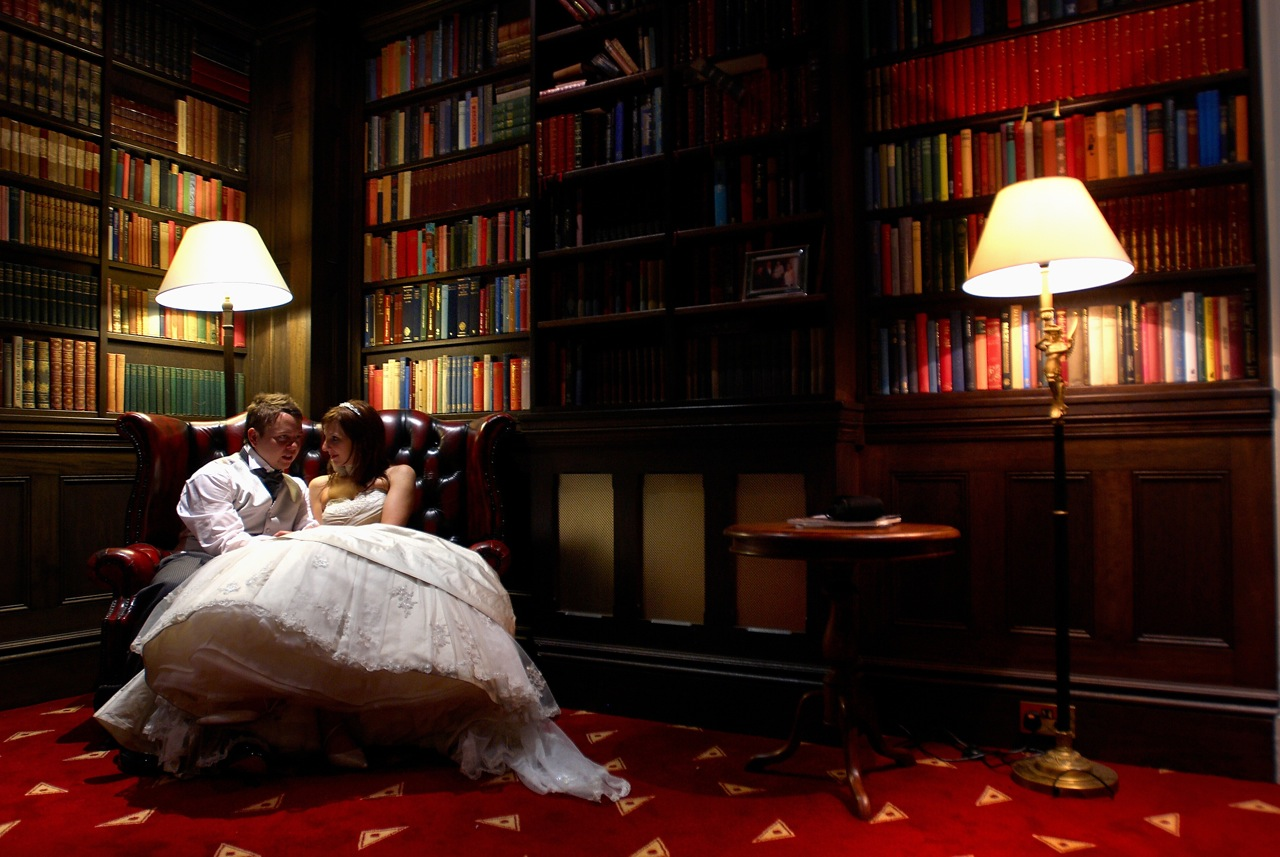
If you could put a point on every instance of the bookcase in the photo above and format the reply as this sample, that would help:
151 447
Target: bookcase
446 229
1155 106
122 123
679 147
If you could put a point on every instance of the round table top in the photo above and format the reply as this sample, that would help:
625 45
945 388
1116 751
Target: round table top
781 540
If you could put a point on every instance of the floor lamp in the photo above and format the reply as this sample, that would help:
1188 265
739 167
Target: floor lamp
223 265
1046 236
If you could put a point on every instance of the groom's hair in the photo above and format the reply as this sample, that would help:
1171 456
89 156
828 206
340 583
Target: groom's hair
266 408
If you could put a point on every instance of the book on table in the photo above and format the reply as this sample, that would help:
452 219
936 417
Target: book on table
826 522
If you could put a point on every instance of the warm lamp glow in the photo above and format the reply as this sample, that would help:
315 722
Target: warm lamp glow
219 262
1048 222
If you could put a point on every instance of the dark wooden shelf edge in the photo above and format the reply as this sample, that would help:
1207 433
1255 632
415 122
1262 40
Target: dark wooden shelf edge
1231 407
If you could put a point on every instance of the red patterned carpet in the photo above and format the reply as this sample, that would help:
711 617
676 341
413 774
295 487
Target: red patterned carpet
60 793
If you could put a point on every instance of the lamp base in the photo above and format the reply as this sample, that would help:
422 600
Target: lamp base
1063 771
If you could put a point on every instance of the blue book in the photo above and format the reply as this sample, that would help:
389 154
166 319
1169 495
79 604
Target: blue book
1176 343
933 356
884 360
1181 157
720 193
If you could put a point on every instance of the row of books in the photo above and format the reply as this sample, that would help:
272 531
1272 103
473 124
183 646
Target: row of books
457 45
1189 339
192 127
1093 57
139 240
168 389
592 10
630 127
1136 140
487 114
77 21
161 183
614 61
447 309
42 153
43 78
901 25
48 222
132 309
152 35
576 214
57 373
451 383
34 295
616 374
760 100
758 186
483 180
713 27
478 241
772 363
1178 230
610 286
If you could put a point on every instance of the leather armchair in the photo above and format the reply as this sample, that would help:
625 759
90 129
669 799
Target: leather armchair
459 492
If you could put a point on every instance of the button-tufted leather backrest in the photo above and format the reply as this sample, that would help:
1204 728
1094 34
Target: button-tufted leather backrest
458 495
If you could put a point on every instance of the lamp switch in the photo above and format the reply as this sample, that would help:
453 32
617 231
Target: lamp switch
1038 718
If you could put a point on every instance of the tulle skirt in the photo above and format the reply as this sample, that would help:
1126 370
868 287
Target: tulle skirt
407 635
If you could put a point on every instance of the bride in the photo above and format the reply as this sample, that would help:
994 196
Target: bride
340 637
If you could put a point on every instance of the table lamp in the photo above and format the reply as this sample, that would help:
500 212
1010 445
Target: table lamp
1046 236
223 265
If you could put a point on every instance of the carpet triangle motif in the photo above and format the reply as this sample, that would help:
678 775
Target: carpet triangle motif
596 737
689 728
508 777
653 849
373 837
713 753
95 754
627 804
225 850
390 791
936 763
774 832
1256 806
888 812
132 818
18 736
1063 846
614 765
733 790
46 789
836 774
71 710
262 806
1170 822
992 795
506 822
9 825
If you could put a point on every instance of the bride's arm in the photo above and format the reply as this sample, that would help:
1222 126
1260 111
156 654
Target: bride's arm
315 492
399 502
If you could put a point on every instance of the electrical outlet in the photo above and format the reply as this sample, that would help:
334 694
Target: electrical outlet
1038 718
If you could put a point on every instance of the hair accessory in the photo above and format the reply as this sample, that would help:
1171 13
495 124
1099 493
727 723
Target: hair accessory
350 407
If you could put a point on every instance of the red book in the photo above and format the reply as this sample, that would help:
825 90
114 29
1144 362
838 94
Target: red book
944 356
995 369
1013 13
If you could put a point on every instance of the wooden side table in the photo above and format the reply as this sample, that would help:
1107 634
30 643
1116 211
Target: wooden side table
845 706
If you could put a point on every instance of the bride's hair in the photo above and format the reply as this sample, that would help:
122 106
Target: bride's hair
363 427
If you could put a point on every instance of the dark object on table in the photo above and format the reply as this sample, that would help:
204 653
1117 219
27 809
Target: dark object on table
856 508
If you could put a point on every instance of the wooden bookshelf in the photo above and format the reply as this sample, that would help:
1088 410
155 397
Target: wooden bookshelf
122 123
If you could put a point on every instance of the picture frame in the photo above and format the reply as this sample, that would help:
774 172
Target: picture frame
774 273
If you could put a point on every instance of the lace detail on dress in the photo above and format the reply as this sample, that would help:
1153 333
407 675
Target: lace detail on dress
364 508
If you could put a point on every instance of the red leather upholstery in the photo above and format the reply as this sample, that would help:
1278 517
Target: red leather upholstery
459 496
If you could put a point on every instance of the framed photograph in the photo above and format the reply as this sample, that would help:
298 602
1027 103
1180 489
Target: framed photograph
777 272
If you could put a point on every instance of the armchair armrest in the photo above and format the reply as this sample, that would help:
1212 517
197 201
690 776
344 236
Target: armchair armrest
125 570
496 553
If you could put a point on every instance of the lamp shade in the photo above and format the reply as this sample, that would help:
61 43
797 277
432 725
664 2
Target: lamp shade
1051 222
221 261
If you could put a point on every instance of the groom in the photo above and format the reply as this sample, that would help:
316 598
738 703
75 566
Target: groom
249 494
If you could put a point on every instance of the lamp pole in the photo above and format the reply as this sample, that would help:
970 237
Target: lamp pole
228 358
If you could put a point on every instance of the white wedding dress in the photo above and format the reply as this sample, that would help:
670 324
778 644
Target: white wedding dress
408 634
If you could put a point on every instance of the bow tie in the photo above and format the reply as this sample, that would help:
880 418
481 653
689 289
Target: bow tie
273 479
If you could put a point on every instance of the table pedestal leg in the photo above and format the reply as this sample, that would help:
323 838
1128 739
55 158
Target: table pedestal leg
843 705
